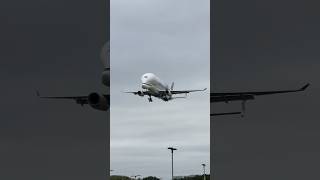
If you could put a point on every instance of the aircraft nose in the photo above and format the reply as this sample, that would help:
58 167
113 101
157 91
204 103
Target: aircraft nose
144 78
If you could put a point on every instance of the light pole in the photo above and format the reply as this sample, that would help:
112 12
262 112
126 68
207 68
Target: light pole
172 149
135 176
204 171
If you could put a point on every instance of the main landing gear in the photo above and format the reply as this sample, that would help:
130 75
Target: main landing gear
150 99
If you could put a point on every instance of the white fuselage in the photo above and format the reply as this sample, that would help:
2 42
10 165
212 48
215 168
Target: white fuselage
105 59
155 86
105 77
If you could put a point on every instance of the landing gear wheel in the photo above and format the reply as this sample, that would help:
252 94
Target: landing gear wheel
150 99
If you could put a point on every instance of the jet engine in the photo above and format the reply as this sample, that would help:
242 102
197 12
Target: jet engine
167 97
140 93
98 101
168 92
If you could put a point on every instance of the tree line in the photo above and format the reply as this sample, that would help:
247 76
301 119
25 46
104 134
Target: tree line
191 177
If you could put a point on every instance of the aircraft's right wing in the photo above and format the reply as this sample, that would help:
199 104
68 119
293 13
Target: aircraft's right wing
244 96
236 96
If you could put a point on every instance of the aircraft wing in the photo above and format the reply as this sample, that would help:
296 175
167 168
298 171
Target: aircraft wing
138 92
187 91
242 96
79 99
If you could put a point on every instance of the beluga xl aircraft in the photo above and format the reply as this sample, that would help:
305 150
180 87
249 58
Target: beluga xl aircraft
153 86
99 101
245 96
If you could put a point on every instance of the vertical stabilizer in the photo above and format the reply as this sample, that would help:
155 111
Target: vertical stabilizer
172 86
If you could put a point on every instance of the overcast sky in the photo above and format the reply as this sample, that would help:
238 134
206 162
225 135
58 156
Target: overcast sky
171 40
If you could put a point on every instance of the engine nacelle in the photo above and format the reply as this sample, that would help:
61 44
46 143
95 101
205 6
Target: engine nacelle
98 101
167 97
140 93
168 92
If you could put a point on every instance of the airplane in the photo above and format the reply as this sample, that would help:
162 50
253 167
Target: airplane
99 101
245 96
153 86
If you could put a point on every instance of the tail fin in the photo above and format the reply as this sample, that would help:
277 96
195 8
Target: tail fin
172 86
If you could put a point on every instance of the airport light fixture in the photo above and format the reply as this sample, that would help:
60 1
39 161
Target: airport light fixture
135 176
204 171
110 171
172 149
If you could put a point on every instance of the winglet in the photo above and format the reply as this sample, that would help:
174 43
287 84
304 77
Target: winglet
305 87
204 89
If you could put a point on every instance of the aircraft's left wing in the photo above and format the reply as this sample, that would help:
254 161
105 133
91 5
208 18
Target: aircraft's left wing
79 99
140 93
187 91
96 100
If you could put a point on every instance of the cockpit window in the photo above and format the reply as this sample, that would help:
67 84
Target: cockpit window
145 76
